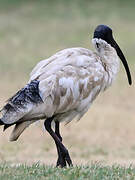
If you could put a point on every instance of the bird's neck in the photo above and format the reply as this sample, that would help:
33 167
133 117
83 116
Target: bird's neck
110 61
108 56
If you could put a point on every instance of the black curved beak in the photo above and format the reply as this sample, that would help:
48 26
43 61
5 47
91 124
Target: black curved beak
123 59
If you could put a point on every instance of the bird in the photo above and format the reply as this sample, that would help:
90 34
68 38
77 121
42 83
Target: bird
63 87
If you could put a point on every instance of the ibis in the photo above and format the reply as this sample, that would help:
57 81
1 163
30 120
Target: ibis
63 87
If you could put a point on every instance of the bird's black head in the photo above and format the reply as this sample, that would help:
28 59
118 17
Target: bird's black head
105 33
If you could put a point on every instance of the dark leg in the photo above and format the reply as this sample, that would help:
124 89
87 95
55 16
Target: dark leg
60 158
57 130
61 148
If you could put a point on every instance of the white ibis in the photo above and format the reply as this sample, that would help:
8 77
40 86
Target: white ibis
63 87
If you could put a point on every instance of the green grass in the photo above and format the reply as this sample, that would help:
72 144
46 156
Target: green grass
95 171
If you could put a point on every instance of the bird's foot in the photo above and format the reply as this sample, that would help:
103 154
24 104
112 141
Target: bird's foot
61 162
64 159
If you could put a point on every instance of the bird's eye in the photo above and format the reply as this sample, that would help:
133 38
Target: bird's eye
97 44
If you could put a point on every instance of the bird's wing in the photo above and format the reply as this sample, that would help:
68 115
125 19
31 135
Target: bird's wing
62 84
69 80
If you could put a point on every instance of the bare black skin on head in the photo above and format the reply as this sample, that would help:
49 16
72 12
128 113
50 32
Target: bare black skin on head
105 33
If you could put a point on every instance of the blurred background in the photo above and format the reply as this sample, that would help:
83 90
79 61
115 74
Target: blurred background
32 30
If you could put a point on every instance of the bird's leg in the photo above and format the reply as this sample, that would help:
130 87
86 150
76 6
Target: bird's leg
63 151
60 157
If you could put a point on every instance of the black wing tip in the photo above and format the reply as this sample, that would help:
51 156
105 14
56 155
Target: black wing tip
28 94
6 126
1 122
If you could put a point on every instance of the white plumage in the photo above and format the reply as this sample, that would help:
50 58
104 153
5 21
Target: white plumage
69 81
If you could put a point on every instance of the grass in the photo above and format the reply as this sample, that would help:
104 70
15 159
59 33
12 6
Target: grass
95 171
33 30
